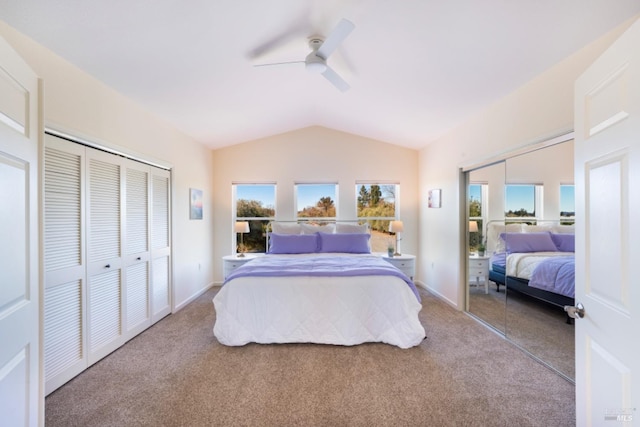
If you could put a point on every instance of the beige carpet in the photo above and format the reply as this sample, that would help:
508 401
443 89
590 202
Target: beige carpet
177 374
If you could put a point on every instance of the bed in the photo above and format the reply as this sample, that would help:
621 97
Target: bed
537 261
318 284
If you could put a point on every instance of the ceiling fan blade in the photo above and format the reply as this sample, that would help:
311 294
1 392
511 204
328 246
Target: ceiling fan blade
278 63
336 80
339 33
277 42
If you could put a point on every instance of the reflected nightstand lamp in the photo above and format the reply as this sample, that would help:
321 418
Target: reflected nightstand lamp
241 227
473 228
396 227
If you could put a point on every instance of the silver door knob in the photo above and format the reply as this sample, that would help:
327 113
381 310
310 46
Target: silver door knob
575 312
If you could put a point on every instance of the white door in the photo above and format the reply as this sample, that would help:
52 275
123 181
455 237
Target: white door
607 168
105 299
136 243
160 244
21 393
64 262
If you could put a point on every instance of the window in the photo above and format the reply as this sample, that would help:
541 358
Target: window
316 200
254 203
567 204
377 205
477 209
522 200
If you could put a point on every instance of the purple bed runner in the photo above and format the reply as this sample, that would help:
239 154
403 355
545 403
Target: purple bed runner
556 275
329 266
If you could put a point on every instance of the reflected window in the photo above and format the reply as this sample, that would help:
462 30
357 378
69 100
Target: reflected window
522 200
254 203
477 209
567 204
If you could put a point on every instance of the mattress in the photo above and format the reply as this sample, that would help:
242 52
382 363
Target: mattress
346 309
549 271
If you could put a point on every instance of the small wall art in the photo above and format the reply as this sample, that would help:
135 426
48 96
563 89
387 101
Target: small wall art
434 198
195 203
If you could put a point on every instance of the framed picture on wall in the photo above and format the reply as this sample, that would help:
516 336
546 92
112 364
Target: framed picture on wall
195 203
434 198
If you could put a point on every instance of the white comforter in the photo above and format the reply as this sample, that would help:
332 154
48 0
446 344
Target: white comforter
522 264
323 310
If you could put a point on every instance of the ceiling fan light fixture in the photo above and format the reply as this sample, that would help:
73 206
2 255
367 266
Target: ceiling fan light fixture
316 67
315 63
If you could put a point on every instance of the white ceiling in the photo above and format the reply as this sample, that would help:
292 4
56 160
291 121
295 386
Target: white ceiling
416 67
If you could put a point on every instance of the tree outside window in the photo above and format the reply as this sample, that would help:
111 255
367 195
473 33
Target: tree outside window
316 200
376 204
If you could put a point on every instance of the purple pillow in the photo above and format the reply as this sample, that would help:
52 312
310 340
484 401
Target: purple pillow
529 242
564 242
293 243
352 243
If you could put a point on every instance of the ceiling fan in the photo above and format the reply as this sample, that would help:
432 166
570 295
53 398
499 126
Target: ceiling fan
321 49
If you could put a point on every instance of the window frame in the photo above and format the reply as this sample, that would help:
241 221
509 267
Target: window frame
379 225
264 220
483 218
396 198
334 198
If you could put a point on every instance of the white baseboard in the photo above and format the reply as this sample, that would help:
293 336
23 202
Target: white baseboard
193 297
436 294
421 284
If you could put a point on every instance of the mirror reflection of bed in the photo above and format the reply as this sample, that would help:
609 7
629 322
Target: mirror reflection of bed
532 317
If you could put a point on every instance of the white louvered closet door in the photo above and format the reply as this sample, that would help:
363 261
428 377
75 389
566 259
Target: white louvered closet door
64 266
107 254
105 312
136 243
160 244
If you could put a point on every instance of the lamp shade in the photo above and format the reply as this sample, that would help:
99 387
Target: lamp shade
241 227
396 227
473 226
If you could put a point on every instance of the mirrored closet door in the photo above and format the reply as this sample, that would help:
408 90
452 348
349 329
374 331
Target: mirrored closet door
514 207
485 211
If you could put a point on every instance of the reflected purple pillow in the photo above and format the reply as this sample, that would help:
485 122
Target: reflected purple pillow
529 242
564 242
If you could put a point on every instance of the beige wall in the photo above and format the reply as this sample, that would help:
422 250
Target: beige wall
84 107
313 154
538 110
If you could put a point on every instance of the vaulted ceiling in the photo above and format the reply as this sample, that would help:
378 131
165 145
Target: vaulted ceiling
416 67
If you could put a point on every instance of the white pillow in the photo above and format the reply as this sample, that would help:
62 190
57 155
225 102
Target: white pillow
526 228
352 228
286 228
494 242
311 229
564 229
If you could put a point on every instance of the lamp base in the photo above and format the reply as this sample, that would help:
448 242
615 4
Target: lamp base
397 254
240 255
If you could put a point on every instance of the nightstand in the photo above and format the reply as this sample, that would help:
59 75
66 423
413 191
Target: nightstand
479 268
405 263
231 262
